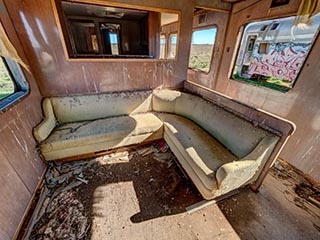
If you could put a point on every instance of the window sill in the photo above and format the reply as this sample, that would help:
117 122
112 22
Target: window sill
12 99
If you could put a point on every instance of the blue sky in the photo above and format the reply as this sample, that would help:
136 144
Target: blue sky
113 38
206 36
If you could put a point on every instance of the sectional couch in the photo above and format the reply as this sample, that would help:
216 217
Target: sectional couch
219 150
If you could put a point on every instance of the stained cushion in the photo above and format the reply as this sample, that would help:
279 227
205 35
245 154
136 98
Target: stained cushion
235 133
101 130
202 152
91 107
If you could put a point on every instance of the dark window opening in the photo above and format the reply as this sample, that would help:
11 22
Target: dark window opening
263 28
98 31
278 3
252 41
274 26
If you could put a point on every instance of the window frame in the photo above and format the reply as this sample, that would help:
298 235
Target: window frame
22 88
211 26
278 88
65 41
168 46
165 46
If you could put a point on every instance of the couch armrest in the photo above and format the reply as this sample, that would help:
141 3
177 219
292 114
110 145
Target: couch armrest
43 130
235 174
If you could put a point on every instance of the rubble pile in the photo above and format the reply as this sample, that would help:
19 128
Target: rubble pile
63 210
59 213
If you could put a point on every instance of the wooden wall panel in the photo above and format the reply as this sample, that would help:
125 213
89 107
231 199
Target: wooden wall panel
300 105
220 21
20 164
214 5
12 198
37 28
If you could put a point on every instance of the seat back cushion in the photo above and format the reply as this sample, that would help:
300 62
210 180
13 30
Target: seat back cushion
92 107
235 133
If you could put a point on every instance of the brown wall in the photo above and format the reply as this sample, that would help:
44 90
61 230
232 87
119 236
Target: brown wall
37 28
300 105
20 165
213 4
220 21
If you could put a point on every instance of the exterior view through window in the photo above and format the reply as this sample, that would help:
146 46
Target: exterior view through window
13 85
162 46
172 45
202 49
7 86
272 52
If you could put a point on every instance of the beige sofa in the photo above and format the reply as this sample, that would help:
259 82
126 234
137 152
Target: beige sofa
219 150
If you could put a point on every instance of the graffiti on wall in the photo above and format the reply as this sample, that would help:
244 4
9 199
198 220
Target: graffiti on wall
282 60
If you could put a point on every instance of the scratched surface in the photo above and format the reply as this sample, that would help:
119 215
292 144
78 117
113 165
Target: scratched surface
20 164
37 29
300 105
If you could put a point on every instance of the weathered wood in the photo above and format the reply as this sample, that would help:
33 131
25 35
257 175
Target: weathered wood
216 5
20 164
58 76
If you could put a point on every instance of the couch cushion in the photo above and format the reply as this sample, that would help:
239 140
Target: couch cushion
101 130
203 153
235 133
92 107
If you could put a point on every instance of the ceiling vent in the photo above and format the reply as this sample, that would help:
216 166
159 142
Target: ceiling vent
202 18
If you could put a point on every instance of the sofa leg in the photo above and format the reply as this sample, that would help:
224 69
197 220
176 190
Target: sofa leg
254 188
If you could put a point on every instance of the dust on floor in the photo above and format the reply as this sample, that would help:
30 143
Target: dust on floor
286 207
142 194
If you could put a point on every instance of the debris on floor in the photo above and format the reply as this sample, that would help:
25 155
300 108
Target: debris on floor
121 194
305 189
64 208
282 208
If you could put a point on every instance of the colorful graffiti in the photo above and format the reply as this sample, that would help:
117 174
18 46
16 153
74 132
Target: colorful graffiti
282 60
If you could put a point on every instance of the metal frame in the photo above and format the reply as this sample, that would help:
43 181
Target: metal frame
22 86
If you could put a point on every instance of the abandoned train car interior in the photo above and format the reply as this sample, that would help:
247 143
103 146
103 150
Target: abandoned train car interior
162 119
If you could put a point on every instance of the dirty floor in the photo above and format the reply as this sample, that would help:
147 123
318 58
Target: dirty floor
142 194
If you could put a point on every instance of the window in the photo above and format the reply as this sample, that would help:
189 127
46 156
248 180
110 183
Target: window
202 49
274 26
7 86
162 46
251 43
12 83
276 58
172 45
102 31
263 48
278 3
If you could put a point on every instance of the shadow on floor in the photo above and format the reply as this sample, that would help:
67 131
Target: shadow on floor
160 187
